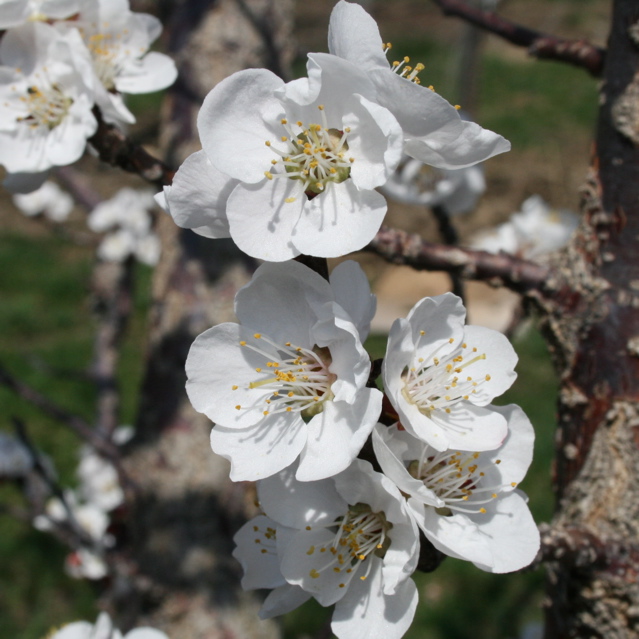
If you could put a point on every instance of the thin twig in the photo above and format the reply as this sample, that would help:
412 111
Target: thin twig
540 45
76 423
115 148
408 249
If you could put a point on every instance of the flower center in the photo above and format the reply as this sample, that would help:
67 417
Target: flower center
315 156
441 384
105 51
300 381
402 68
457 479
47 106
359 533
266 537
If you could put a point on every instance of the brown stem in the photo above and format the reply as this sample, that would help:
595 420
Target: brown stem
540 45
409 249
115 148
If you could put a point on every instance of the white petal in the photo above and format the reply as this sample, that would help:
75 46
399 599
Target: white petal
153 72
198 196
352 292
261 450
297 504
353 35
375 141
261 569
282 600
261 222
238 116
337 434
145 633
366 612
340 220
282 300
215 365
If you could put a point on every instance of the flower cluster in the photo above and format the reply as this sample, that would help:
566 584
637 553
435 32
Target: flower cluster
126 216
290 168
293 168
103 629
531 233
88 508
58 60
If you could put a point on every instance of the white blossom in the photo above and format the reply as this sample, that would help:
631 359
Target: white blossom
46 97
348 540
531 233
290 380
16 12
49 200
434 132
103 629
127 215
289 168
85 563
457 190
466 502
440 376
99 481
118 41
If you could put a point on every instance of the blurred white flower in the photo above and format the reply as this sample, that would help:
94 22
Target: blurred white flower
99 482
15 459
103 629
118 41
46 98
531 233
457 190
127 213
17 12
85 563
49 200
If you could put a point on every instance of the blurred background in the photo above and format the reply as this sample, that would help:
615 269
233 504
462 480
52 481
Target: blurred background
547 110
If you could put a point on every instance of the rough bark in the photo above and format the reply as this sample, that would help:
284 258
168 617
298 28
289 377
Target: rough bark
594 329
175 570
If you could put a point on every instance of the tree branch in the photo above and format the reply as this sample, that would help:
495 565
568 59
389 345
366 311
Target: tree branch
540 45
409 249
115 148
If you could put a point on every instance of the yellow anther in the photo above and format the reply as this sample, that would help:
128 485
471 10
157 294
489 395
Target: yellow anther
257 335
268 174
265 413
267 143
290 200
238 407
482 510
308 528
498 461
311 550
513 484
234 387
457 107
320 107
314 574
487 378
258 370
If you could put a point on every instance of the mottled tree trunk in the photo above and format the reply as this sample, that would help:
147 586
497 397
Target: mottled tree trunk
175 570
593 584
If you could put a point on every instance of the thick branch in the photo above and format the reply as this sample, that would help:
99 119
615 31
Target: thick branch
540 45
116 149
409 249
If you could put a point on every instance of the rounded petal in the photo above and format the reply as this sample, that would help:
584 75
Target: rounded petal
145 633
494 373
237 118
261 221
282 300
375 140
353 293
256 552
297 504
261 450
282 600
365 612
340 220
337 434
354 35
153 72
220 372
197 198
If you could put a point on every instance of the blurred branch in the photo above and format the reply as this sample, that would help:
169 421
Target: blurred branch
540 45
409 249
113 285
77 424
115 148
